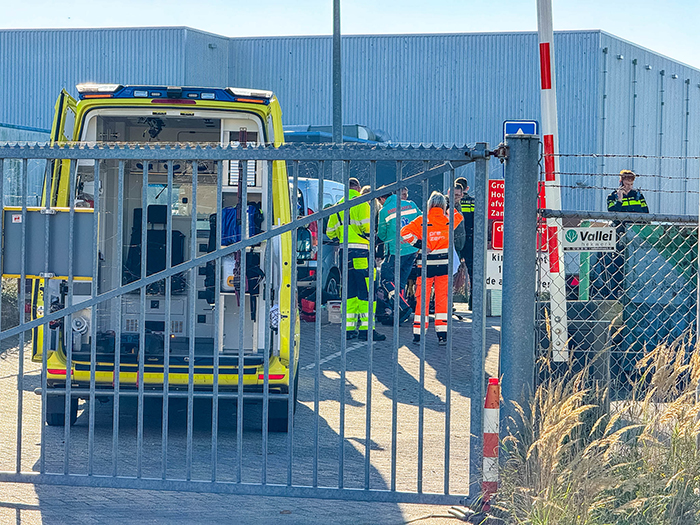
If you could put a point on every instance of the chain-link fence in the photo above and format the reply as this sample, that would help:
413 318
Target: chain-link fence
630 286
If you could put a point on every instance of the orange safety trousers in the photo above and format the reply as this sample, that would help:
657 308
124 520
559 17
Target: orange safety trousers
441 290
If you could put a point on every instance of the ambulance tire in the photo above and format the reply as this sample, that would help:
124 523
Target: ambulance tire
278 414
56 410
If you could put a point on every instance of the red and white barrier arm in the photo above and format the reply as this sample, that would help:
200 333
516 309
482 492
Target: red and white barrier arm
550 134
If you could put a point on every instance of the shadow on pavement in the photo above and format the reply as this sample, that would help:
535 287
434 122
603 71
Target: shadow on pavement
62 504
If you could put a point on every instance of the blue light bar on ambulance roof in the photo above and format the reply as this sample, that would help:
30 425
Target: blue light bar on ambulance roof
174 94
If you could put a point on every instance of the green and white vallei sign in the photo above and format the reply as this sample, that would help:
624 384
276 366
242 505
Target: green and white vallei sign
593 239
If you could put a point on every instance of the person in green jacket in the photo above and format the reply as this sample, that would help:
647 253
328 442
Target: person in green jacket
386 231
357 309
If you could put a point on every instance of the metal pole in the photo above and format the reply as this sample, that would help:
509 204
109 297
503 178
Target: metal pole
337 167
337 91
519 276
478 353
697 314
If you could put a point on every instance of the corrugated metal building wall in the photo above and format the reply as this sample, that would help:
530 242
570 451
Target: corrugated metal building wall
651 108
442 89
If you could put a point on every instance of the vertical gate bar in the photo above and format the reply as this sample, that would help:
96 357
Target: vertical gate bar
478 350
293 302
317 345
269 340
22 317
217 337
116 374
165 422
243 199
450 303
45 327
67 323
370 327
344 317
425 308
395 350
191 321
142 318
117 337
93 317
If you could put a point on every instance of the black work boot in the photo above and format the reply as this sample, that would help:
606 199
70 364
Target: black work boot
376 336
416 338
350 334
442 339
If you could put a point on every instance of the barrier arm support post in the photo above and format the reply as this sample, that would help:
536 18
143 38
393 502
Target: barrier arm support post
519 276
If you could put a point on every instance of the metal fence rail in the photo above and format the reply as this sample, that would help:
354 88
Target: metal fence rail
207 448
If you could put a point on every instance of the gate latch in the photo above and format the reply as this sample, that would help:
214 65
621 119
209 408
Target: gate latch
501 152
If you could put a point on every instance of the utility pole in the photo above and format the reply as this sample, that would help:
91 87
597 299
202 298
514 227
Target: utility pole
337 86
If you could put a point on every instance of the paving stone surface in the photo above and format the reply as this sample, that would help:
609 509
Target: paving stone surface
27 503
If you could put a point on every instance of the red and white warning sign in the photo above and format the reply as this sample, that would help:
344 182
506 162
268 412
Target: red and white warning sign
16 218
497 235
496 199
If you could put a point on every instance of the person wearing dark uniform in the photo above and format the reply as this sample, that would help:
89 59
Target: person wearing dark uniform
467 209
625 199
357 308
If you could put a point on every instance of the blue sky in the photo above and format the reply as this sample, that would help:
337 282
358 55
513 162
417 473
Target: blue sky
668 27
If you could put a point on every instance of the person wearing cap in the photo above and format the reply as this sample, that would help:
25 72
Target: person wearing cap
359 274
626 198
467 209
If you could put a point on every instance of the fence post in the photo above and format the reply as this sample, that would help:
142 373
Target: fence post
519 274
478 352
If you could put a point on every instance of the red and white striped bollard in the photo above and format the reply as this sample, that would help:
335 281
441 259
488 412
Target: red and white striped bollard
489 483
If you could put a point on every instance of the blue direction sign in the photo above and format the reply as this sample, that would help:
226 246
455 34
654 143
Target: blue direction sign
524 127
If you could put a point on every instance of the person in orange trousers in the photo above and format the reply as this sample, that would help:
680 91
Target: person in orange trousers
438 256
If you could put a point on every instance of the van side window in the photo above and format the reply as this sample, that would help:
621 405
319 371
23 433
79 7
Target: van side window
328 200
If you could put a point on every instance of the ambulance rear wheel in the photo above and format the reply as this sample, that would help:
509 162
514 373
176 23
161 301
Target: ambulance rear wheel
56 410
278 416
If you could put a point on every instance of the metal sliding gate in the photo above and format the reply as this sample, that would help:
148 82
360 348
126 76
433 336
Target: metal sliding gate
121 366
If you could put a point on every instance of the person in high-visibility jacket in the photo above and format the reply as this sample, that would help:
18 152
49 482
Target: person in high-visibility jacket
438 254
357 309
386 232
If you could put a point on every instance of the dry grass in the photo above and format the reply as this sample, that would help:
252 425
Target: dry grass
579 459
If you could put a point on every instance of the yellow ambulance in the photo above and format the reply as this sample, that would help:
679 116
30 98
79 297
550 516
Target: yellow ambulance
115 114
